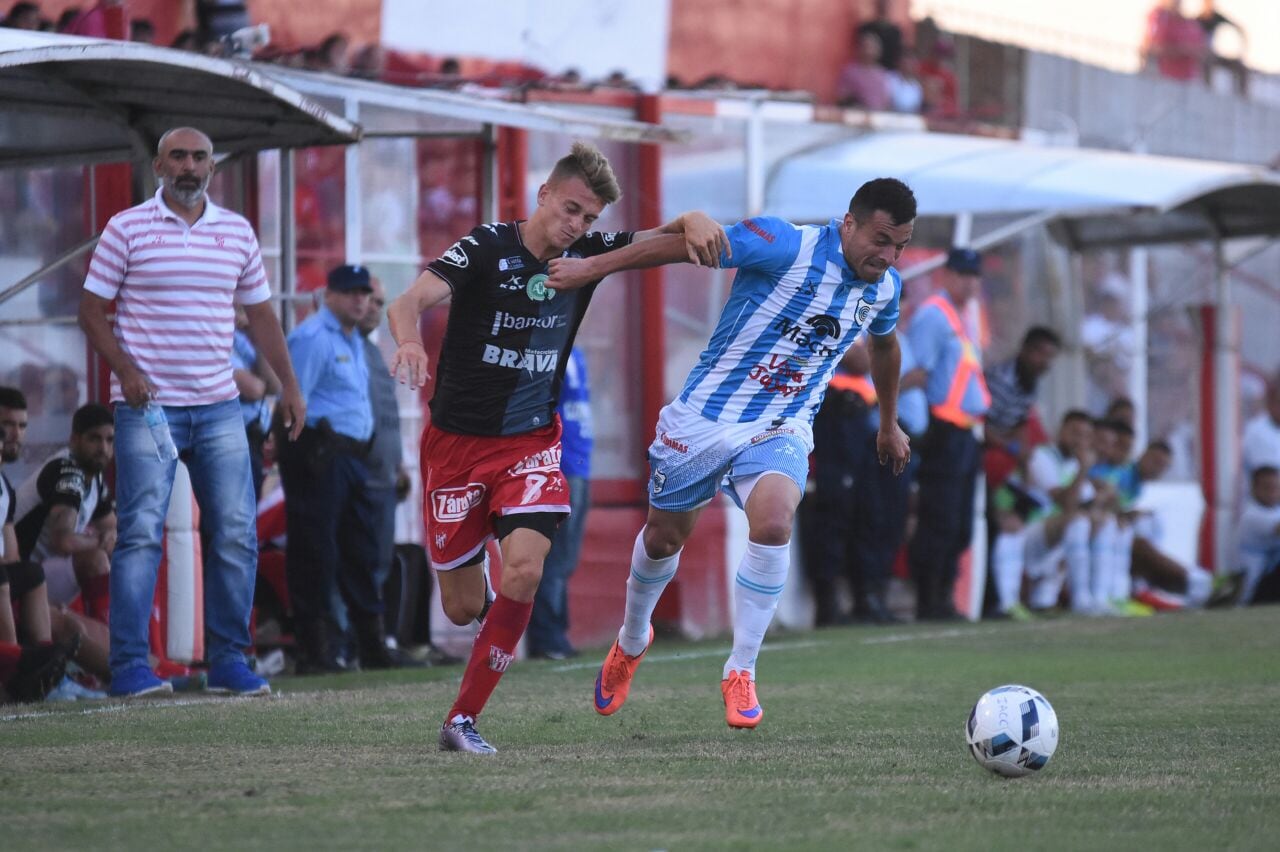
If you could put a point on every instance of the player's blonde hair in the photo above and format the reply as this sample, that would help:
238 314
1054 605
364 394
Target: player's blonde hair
585 161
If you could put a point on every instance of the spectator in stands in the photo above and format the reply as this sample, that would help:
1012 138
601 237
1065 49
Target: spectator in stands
66 510
1261 443
950 463
181 229
1258 538
335 54
92 23
906 91
1211 20
186 40
142 30
369 62
255 382
23 16
1174 46
618 79
548 632
864 82
889 35
937 73
67 19
326 481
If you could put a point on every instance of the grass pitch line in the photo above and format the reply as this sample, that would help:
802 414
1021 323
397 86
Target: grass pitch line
678 657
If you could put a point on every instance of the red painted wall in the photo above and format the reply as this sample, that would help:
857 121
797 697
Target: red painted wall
780 44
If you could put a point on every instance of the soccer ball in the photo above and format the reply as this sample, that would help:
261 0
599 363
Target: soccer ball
1012 731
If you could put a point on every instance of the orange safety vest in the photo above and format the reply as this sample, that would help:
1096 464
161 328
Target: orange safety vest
860 385
969 367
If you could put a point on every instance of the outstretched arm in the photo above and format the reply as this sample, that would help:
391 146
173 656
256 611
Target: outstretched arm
886 363
691 237
402 317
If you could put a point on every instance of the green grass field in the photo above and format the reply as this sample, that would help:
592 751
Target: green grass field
1170 740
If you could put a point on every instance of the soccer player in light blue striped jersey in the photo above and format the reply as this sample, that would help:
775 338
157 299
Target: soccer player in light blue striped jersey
743 421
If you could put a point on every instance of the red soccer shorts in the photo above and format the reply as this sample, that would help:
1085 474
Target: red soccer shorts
469 480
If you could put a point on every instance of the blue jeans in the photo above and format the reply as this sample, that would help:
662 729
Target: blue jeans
549 621
211 441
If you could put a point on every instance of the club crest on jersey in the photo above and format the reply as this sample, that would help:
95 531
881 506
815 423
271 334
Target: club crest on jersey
862 311
453 504
537 289
455 256
608 238
657 482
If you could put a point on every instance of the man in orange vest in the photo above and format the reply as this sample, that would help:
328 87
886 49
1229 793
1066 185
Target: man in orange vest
950 454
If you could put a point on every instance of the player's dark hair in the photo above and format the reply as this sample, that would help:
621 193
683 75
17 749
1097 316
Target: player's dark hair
888 194
1259 472
12 398
585 161
1077 414
1041 334
90 416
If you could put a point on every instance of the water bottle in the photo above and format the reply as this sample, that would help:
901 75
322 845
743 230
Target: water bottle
159 426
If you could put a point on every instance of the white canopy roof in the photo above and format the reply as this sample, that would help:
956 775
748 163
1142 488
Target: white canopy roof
1094 197
79 100
68 99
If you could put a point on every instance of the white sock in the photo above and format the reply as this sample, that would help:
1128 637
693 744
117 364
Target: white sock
1007 558
1121 558
1076 554
761 578
644 586
1101 561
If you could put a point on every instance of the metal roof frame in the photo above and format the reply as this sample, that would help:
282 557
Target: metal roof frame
65 99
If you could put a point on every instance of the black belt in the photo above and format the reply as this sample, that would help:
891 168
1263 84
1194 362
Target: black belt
332 441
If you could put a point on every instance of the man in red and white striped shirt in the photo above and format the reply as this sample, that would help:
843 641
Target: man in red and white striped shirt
176 266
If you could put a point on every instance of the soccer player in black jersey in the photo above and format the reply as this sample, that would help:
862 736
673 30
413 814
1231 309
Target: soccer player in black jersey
491 455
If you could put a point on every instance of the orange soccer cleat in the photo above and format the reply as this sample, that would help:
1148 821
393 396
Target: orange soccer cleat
614 680
741 708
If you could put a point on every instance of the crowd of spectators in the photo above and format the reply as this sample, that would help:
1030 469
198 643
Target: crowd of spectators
1068 523
1196 47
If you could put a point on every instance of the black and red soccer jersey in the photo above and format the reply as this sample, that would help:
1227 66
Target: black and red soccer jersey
508 336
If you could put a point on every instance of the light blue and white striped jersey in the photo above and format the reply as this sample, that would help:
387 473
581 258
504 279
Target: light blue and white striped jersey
794 308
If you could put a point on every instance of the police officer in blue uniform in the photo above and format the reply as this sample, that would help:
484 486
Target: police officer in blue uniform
333 517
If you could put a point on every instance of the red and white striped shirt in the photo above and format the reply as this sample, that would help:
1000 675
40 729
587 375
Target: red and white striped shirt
176 288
